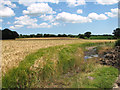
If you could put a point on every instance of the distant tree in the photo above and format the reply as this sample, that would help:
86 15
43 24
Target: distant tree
52 35
70 35
81 36
20 36
87 34
116 32
59 35
39 35
46 35
64 35
32 35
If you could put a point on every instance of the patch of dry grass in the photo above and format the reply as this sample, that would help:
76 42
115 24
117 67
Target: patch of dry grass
14 51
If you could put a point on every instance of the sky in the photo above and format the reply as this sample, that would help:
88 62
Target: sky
58 17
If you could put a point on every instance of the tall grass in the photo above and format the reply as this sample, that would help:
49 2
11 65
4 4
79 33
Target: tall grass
50 63
103 77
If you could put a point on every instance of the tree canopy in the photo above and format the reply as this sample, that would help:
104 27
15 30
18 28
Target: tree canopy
116 32
8 34
87 34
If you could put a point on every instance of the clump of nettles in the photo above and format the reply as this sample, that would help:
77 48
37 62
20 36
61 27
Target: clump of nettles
117 43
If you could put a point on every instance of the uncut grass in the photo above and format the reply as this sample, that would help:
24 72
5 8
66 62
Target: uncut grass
104 77
55 61
19 77
13 77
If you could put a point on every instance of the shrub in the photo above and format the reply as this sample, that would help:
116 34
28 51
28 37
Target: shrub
117 43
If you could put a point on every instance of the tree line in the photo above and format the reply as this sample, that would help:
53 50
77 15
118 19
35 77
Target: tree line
87 35
8 34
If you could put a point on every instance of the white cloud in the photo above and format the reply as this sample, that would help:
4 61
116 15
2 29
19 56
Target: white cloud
5 8
12 27
6 12
72 18
8 3
1 20
16 26
51 1
79 11
113 13
42 25
95 16
39 8
29 22
47 17
28 3
107 2
55 23
0 27
25 20
75 2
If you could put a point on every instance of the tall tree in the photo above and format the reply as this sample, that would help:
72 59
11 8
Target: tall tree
88 34
116 32
8 34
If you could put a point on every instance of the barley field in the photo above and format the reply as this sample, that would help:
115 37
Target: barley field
14 51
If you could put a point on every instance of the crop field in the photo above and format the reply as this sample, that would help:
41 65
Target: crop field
28 54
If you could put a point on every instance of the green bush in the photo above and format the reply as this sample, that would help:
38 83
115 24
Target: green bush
117 43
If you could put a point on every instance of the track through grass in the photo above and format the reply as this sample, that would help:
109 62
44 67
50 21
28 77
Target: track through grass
50 62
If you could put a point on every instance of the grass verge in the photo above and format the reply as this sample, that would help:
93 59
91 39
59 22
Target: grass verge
42 67
102 77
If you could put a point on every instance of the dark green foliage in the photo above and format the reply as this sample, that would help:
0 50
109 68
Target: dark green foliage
0 34
117 43
102 37
49 35
81 36
62 35
8 34
39 35
87 34
72 36
116 32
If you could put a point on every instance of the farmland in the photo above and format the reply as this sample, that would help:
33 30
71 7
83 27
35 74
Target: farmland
28 54
14 51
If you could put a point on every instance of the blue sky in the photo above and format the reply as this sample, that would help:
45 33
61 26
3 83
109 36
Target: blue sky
78 16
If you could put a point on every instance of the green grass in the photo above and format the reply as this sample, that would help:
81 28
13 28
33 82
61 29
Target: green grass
104 77
57 61
23 77
101 37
